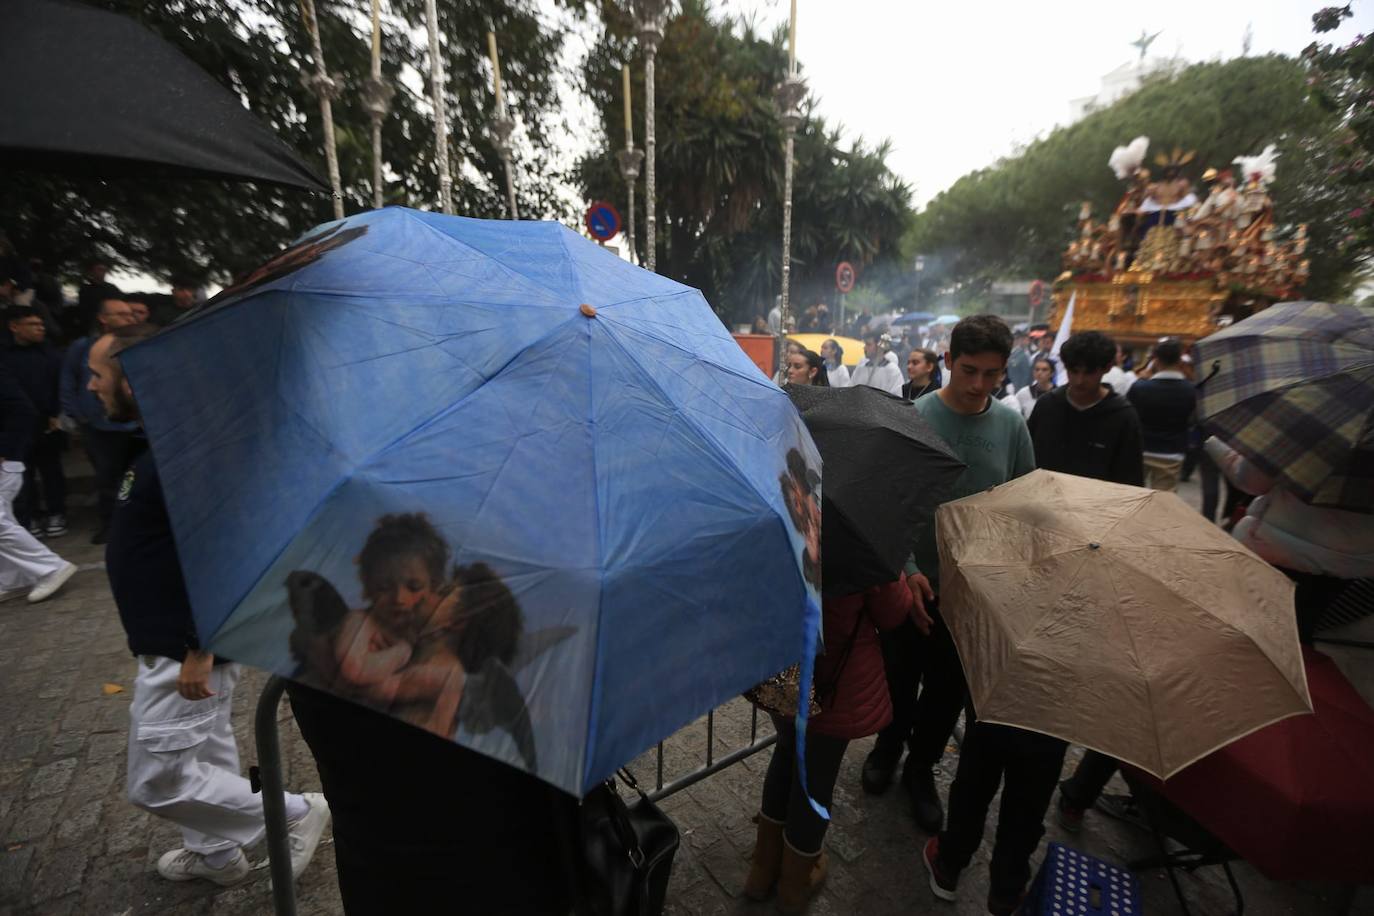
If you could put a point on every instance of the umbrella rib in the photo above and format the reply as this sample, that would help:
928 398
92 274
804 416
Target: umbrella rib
1140 672
1185 599
722 453
409 214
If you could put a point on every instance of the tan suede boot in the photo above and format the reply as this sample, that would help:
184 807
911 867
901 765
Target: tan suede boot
766 859
801 876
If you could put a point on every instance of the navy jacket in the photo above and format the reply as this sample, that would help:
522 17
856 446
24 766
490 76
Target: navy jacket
37 369
1165 407
17 418
145 573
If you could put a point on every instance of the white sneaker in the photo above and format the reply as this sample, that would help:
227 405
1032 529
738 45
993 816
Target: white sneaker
47 586
305 833
185 865
10 594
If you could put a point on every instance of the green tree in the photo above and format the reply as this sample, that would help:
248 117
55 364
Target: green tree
259 50
1017 216
1343 84
720 165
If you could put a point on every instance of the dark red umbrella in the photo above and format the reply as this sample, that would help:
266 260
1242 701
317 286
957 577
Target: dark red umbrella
1296 798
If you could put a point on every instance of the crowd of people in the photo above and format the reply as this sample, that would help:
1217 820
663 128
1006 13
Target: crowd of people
991 397
988 392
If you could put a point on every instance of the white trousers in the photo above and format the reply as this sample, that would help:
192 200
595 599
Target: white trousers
183 762
23 558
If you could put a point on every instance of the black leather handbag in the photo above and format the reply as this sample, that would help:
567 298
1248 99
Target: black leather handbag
626 852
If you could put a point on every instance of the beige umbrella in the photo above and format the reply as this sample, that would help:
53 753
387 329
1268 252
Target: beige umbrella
1117 618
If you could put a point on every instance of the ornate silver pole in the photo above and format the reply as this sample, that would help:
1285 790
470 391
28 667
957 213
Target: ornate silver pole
789 96
629 158
650 18
326 89
436 79
502 125
629 168
377 100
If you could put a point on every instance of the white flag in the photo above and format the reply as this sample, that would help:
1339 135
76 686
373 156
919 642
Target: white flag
1061 375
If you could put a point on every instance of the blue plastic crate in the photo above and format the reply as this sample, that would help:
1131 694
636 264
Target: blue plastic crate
1071 883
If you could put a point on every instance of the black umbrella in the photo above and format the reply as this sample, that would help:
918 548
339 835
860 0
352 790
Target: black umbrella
885 471
92 93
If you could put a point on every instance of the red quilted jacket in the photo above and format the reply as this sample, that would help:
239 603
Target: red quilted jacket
859 705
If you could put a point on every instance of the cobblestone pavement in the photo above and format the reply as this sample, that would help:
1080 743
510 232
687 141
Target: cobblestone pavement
73 844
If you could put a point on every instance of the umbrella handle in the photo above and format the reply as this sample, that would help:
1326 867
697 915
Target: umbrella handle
1216 367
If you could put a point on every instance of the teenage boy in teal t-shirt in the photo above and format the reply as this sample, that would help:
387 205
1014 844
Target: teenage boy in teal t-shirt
991 439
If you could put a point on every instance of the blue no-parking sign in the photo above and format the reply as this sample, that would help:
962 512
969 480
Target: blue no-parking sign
603 221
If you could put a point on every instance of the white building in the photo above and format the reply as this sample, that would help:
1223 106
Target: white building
1116 85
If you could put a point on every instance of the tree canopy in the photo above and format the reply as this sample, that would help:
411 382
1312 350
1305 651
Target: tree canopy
1016 217
259 49
720 165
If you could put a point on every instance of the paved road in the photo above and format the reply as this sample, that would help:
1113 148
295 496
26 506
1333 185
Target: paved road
72 844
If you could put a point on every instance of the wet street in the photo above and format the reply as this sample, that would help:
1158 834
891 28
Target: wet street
73 844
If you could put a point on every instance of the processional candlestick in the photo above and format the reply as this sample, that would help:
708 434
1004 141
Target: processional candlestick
326 89
650 18
377 101
502 126
629 159
436 80
789 97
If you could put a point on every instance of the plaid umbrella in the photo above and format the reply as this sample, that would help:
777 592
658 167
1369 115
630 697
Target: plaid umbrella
1292 389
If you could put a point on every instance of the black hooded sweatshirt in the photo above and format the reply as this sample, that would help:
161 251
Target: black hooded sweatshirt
1103 441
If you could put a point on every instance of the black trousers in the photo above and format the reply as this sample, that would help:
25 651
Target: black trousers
110 452
422 825
924 723
1026 765
45 484
782 791
1089 778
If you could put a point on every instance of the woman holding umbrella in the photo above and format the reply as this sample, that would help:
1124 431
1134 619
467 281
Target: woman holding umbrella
862 434
851 689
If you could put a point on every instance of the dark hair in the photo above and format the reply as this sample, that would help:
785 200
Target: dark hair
20 312
931 357
839 350
1169 352
1047 360
1088 351
493 621
816 361
403 535
980 334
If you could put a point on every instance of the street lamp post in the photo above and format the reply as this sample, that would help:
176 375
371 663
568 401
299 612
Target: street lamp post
326 89
650 18
377 100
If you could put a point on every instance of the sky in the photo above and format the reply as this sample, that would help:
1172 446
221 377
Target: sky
956 85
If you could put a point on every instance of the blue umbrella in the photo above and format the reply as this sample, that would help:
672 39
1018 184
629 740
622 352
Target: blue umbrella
915 318
490 478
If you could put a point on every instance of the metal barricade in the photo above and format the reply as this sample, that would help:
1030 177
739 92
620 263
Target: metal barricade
268 778
712 765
